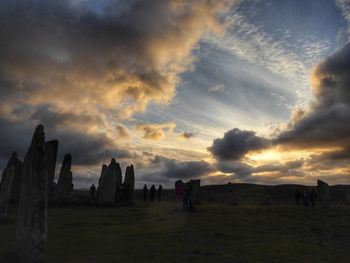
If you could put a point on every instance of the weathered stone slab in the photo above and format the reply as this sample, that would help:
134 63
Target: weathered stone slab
196 185
115 173
5 192
51 148
63 189
109 183
10 185
103 197
129 184
31 232
18 171
324 194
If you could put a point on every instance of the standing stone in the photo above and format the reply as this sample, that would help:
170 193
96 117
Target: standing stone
16 180
51 156
102 197
129 183
18 171
5 192
116 171
324 193
196 185
110 181
31 232
115 175
63 189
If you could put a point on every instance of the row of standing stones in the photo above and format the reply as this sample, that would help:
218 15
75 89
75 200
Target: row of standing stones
31 184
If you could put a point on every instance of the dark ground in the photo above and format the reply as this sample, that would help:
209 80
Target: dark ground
216 232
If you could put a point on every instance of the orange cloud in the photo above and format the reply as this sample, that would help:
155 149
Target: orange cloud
154 131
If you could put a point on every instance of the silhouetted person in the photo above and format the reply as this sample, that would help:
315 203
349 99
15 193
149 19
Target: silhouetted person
92 193
297 196
159 193
145 193
313 197
305 197
152 193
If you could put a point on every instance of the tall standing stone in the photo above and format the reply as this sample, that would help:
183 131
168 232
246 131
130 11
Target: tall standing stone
103 198
5 192
51 156
196 185
324 194
115 173
10 185
109 183
18 171
63 190
31 232
129 184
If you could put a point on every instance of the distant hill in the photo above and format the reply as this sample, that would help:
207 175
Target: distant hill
242 193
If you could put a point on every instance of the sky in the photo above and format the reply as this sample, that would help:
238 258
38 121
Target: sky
253 91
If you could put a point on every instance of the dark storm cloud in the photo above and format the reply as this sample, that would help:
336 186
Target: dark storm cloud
86 149
89 150
181 170
236 143
327 124
324 126
117 58
79 67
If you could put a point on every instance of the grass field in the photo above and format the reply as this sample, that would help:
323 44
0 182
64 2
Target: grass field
214 233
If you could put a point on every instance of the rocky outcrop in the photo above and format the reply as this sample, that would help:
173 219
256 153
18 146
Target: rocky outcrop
63 189
31 232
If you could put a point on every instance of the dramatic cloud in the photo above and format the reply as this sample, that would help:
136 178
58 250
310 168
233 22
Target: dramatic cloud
323 130
327 123
86 149
155 131
236 143
80 68
113 60
171 169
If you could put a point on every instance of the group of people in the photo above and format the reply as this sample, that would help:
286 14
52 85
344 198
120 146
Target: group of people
183 193
151 193
305 197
